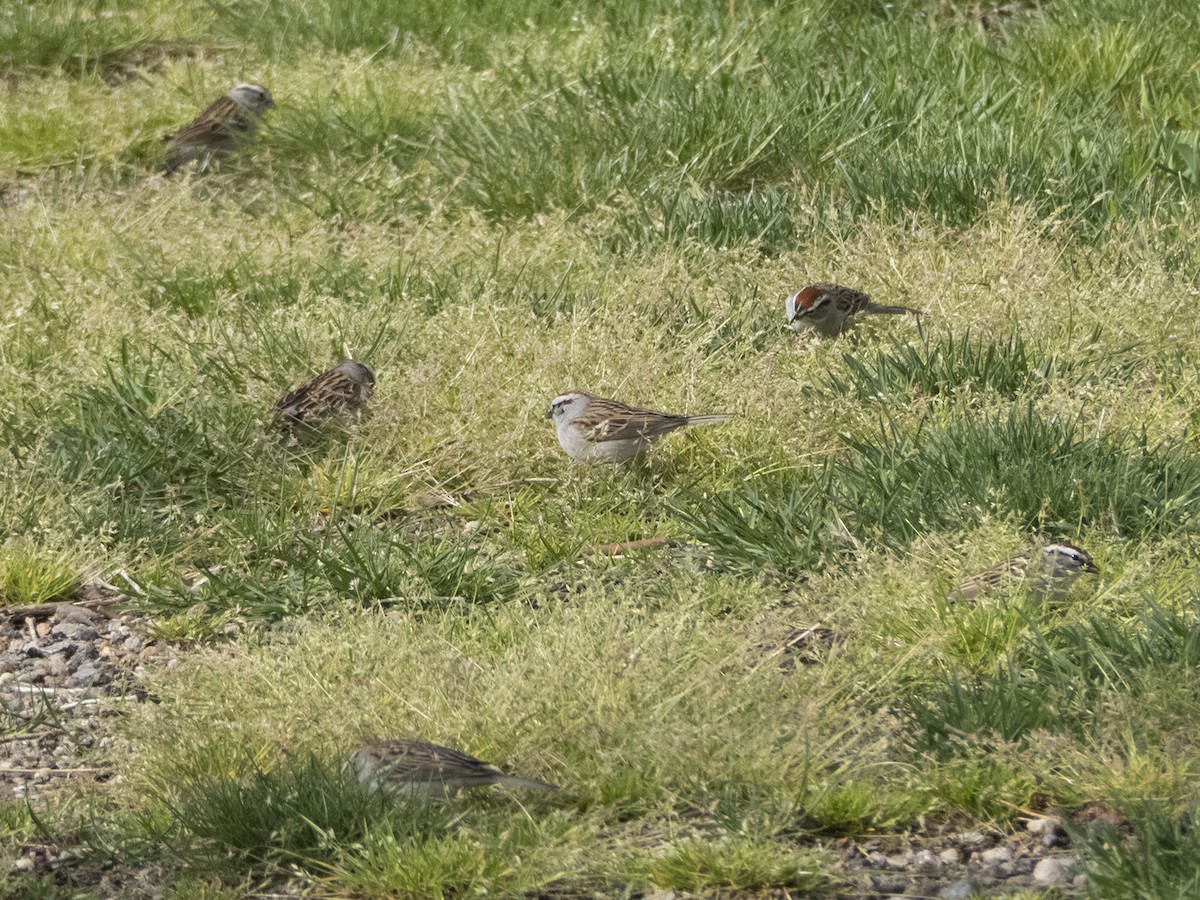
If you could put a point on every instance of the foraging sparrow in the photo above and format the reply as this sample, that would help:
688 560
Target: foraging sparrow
595 429
347 386
405 768
831 309
1048 573
227 124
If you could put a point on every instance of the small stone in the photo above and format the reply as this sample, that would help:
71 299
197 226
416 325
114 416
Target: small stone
67 647
134 643
888 884
996 855
950 856
1044 825
23 864
92 675
960 890
1055 839
43 629
1053 870
1022 866
970 837
69 613
900 861
926 859
877 859
76 631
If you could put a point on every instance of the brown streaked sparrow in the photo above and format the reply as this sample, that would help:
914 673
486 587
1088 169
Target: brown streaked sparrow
1048 573
596 429
225 125
405 768
831 309
346 387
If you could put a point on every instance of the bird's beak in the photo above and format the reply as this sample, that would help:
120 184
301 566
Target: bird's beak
1091 568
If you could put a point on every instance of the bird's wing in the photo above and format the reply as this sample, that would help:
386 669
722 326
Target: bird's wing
220 124
636 423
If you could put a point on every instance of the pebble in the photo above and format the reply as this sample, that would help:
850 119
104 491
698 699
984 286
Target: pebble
926 859
950 856
1044 825
888 884
970 837
89 675
69 613
960 890
76 631
997 855
1053 870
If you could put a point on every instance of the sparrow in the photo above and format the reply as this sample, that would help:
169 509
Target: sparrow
831 309
1048 573
596 429
404 768
225 125
347 386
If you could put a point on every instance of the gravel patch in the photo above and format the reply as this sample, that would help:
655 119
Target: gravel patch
970 864
64 669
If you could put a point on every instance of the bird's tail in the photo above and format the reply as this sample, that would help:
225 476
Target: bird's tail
529 783
172 164
709 420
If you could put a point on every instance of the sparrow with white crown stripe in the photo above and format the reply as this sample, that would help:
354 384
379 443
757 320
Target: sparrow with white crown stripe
1047 573
831 309
225 125
596 429
346 387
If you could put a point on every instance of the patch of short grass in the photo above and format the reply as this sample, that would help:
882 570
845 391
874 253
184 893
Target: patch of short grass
893 486
943 364
731 864
269 812
1158 860
30 573
95 37
1056 676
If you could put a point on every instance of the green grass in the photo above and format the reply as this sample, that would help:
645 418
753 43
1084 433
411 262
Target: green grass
494 203
1157 861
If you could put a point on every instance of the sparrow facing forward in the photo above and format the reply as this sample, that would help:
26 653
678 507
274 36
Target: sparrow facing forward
596 429
1048 573
225 125
346 387
831 309
404 768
